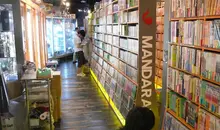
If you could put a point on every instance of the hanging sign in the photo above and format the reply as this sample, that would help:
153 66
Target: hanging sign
146 95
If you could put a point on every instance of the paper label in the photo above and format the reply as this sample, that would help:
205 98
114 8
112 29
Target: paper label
7 123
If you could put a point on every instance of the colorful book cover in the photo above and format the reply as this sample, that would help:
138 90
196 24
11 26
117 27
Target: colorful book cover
218 8
216 42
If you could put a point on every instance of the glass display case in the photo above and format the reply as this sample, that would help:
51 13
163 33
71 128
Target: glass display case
7 43
49 39
60 36
69 34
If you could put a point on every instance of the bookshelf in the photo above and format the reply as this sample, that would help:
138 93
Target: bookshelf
159 44
112 45
117 58
193 81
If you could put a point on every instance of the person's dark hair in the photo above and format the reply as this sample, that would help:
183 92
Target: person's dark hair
82 32
139 118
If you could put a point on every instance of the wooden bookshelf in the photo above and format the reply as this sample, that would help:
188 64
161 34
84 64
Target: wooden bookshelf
180 119
195 18
117 46
115 56
196 48
121 26
160 6
134 82
183 96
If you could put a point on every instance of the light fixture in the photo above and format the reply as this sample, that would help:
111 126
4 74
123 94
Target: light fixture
83 1
67 4
89 11
79 10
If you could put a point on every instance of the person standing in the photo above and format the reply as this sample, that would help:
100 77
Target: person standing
74 54
79 53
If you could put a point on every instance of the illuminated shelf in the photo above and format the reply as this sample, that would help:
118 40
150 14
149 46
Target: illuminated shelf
117 112
180 119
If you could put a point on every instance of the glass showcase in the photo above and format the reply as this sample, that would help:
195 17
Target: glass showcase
7 43
60 36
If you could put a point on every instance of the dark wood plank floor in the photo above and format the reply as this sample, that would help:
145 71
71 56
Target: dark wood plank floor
83 105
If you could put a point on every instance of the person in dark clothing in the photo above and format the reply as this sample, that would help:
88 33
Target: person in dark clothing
139 118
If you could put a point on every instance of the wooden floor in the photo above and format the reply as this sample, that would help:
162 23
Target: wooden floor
83 105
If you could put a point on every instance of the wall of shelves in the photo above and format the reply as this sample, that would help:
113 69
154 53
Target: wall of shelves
111 58
159 43
117 51
193 85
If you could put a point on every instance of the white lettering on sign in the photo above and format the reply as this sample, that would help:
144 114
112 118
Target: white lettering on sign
146 70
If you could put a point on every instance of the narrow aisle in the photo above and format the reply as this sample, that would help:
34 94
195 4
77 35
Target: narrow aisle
83 105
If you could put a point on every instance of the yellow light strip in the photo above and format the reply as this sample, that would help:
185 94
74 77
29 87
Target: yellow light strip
115 109
157 86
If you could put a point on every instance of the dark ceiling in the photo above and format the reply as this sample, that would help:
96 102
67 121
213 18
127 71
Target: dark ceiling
75 4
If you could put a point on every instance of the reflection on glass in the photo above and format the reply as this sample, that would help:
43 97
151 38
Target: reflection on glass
7 42
30 39
69 34
23 29
49 37
59 36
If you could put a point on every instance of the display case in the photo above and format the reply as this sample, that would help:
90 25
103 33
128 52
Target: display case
69 34
7 42
49 35
59 36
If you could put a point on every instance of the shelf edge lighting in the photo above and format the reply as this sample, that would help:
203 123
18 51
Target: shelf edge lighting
115 109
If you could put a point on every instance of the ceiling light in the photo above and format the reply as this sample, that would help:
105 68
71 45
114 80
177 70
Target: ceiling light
79 10
67 4
83 1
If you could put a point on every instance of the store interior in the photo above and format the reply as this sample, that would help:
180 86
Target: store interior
162 55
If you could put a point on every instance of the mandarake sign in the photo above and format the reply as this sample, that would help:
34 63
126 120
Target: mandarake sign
146 96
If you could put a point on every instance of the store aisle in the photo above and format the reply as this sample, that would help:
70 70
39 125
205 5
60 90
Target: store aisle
83 105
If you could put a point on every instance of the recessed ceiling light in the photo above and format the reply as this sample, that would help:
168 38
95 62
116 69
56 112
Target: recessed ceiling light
67 4
83 1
